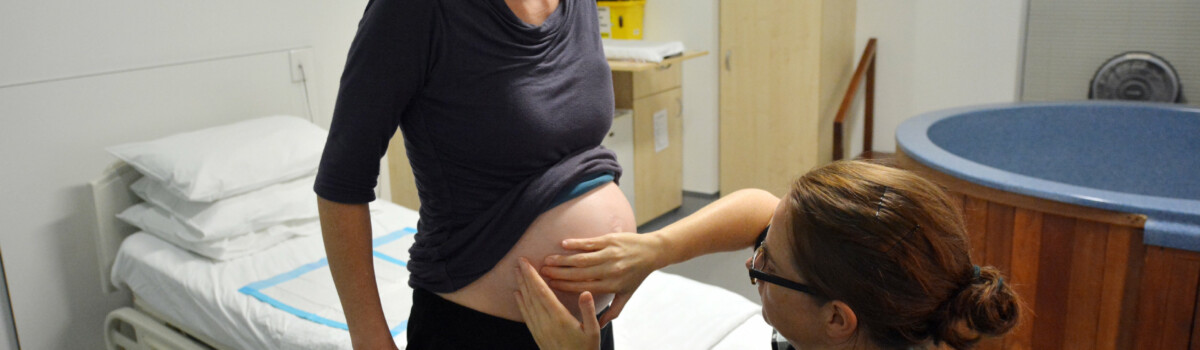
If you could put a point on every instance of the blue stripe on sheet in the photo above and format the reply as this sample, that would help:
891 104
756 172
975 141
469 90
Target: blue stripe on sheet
391 237
291 310
390 259
255 289
267 283
399 328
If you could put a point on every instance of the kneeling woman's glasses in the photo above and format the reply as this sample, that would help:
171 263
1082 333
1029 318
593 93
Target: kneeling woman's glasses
759 262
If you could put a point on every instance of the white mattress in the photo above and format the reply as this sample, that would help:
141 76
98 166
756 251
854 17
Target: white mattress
201 295
755 333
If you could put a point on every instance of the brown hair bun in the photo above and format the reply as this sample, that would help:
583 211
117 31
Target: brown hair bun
986 306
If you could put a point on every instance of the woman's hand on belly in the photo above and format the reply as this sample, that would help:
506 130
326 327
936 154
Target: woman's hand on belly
613 263
552 326
600 211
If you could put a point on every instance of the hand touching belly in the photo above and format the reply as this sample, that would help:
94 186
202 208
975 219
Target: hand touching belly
600 211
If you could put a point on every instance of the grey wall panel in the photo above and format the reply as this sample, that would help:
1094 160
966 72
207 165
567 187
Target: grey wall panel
53 143
1067 40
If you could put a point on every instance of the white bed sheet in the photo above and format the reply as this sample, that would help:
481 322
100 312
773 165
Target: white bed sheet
667 312
673 312
755 333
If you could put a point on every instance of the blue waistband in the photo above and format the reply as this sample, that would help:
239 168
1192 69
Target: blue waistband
589 182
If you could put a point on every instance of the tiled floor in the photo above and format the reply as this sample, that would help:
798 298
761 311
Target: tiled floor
726 270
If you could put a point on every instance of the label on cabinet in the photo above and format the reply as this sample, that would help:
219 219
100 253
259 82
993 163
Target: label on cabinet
605 21
661 138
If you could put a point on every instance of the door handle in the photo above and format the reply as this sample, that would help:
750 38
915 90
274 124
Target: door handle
728 55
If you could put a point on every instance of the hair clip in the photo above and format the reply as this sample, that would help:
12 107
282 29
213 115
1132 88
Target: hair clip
879 205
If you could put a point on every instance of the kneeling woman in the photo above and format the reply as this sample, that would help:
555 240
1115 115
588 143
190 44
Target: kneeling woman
856 256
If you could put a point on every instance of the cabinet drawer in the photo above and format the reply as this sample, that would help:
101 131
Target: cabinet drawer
629 86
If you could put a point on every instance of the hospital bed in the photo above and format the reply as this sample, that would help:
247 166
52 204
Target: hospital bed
282 297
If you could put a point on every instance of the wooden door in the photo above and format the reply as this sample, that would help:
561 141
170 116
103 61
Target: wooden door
781 60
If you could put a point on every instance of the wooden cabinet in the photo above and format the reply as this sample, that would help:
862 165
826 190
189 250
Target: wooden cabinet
783 66
655 98
657 154
620 141
654 91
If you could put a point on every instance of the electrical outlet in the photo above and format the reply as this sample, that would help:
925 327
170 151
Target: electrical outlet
302 63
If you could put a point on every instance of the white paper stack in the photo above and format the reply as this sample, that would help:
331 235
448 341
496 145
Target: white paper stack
641 50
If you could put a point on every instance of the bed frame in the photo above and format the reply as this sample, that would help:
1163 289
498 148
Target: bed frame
279 84
267 77
139 327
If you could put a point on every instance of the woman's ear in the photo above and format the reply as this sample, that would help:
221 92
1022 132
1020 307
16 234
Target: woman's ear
840 321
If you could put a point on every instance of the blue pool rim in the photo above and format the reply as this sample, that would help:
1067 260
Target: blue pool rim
1171 222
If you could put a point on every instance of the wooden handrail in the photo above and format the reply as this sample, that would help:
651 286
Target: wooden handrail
866 66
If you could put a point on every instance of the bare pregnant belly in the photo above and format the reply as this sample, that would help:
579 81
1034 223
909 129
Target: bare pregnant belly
598 212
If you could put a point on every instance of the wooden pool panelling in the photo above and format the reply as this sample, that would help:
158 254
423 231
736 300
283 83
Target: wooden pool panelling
1086 278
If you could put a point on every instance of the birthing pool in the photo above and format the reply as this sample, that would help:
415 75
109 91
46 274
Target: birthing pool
1092 210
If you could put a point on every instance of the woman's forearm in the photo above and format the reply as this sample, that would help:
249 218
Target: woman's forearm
730 223
346 230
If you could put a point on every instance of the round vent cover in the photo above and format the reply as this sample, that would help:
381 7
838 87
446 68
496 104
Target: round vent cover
1136 76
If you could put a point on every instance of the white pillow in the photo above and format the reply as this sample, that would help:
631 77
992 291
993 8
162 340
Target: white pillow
158 222
241 214
218 162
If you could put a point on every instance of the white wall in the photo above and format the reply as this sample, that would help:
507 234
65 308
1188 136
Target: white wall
49 253
694 22
8 330
937 54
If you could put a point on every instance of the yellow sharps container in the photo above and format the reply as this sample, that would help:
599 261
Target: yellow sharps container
621 19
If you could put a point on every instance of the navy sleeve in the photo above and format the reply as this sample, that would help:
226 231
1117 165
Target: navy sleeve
385 68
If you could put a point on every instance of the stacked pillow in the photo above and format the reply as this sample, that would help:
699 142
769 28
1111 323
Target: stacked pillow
227 191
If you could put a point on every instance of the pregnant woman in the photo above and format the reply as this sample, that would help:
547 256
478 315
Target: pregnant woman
502 105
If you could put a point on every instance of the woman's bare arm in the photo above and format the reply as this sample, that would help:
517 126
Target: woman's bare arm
730 223
346 230
619 262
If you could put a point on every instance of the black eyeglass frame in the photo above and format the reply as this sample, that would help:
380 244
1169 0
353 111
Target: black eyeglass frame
756 274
